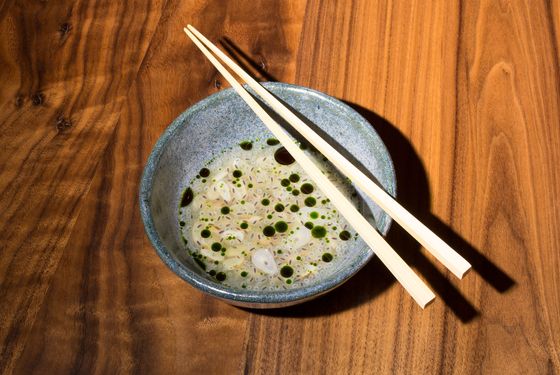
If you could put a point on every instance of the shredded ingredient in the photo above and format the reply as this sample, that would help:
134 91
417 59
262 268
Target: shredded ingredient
279 231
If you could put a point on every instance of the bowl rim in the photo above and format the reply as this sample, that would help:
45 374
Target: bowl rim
269 299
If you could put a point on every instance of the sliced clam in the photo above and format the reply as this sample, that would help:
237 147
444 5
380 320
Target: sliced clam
220 175
214 255
235 251
300 237
219 190
264 261
253 219
232 262
240 192
232 234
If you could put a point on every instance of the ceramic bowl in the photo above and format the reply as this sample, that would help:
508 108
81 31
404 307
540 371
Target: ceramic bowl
223 120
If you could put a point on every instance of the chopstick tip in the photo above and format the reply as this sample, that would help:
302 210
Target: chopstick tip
464 272
423 306
189 34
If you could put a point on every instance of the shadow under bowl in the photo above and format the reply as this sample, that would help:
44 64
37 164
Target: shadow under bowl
221 121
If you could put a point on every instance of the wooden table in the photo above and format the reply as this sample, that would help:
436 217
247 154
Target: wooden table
465 94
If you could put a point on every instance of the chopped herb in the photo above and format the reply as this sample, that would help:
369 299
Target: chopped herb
294 177
307 188
281 226
269 231
318 231
286 271
237 173
246 145
265 202
279 207
345 235
327 257
244 225
282 156
285 182
204 172
205 233
309 225
216 246
294 208
272 141
187 197
310 201
220 276
200 263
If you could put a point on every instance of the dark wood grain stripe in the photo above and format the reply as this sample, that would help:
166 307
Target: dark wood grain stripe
45 167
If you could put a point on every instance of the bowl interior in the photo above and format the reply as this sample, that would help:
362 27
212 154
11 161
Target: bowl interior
223 120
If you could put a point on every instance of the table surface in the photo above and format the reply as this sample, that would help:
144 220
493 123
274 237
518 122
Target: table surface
465 94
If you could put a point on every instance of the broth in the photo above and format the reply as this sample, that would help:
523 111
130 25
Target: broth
252 219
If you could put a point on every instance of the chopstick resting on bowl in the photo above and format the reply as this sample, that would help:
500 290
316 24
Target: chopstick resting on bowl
435 245
402 272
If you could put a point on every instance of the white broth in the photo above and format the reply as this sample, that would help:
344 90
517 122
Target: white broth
253 219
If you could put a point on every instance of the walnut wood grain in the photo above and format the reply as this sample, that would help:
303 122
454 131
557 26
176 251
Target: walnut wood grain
64 78
466 96
194 326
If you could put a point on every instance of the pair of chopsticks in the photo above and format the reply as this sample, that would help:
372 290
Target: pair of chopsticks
402 272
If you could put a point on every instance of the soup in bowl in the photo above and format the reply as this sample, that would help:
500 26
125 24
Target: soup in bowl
228 209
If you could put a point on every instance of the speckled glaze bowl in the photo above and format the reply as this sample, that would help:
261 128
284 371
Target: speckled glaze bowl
223 120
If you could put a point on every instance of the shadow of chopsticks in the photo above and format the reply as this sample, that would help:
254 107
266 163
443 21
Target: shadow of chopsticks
412 186
245 62
414 194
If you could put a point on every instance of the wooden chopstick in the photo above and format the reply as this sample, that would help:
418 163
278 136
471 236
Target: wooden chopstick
402 272
434 244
